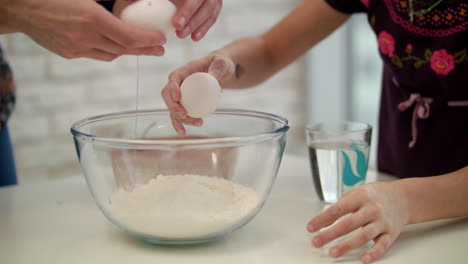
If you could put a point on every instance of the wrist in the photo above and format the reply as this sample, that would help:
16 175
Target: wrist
419 194
402 189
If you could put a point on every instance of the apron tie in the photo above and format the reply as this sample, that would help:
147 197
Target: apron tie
421 110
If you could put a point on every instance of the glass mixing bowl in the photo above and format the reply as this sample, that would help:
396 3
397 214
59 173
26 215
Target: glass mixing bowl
173 190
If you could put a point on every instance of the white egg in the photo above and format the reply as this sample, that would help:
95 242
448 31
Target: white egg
200 94
150 14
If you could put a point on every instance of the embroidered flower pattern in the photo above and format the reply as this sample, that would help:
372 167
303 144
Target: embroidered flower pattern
386 44
442 62
449 18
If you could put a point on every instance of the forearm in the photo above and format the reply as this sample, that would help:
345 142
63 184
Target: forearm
7 24
438 197
258 58
252 63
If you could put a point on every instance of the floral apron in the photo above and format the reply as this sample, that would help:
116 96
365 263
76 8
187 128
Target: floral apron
423 122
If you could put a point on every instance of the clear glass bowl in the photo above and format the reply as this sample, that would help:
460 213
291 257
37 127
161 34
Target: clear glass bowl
173 190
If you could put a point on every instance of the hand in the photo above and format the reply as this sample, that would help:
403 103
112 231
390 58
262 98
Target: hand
195 17
379 209
221 67
80 28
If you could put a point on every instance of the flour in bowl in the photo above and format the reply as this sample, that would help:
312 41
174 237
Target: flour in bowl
183 206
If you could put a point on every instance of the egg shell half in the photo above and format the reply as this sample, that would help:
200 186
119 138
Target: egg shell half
150 14
200 94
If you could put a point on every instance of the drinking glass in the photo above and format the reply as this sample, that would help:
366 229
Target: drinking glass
339 157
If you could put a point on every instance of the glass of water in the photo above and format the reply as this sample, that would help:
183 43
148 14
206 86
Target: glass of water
339 157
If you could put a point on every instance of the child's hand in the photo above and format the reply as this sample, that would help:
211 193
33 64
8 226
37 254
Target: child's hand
221 67
379 209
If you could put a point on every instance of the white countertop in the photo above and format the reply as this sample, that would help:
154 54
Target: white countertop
58 222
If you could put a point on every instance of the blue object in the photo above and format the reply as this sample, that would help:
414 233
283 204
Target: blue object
7 161
349 178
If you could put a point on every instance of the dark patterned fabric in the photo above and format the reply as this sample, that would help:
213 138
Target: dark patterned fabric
423 122
7 91
107 4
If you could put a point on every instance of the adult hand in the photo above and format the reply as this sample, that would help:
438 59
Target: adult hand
195 17
380 210
221 67
79 28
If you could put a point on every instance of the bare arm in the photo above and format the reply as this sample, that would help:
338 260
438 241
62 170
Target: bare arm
380 210
437 197
80 28
260 57
247 62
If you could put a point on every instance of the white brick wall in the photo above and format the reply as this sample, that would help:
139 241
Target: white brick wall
54 92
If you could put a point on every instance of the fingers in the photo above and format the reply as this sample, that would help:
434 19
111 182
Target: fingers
362 237
106 45
173 104
216 65
346 226
221 68
102 43
382 244
197 17
178 126
202 15
201 31
200 65
128 36
342 207
152 51
99 55
192 121
185 12
179 117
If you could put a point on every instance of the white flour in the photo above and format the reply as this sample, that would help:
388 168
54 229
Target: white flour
183 206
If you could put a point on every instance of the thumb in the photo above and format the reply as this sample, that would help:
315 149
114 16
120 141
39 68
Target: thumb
221 68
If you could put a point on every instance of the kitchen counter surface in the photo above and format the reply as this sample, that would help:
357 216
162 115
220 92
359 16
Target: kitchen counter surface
58 222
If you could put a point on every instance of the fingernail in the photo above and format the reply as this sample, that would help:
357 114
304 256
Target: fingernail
175 96
334 252
198 122
366 259
181 21
159 41
310 227
198 36
316 242
159 52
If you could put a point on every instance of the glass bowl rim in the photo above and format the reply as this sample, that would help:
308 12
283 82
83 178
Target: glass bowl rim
284 127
